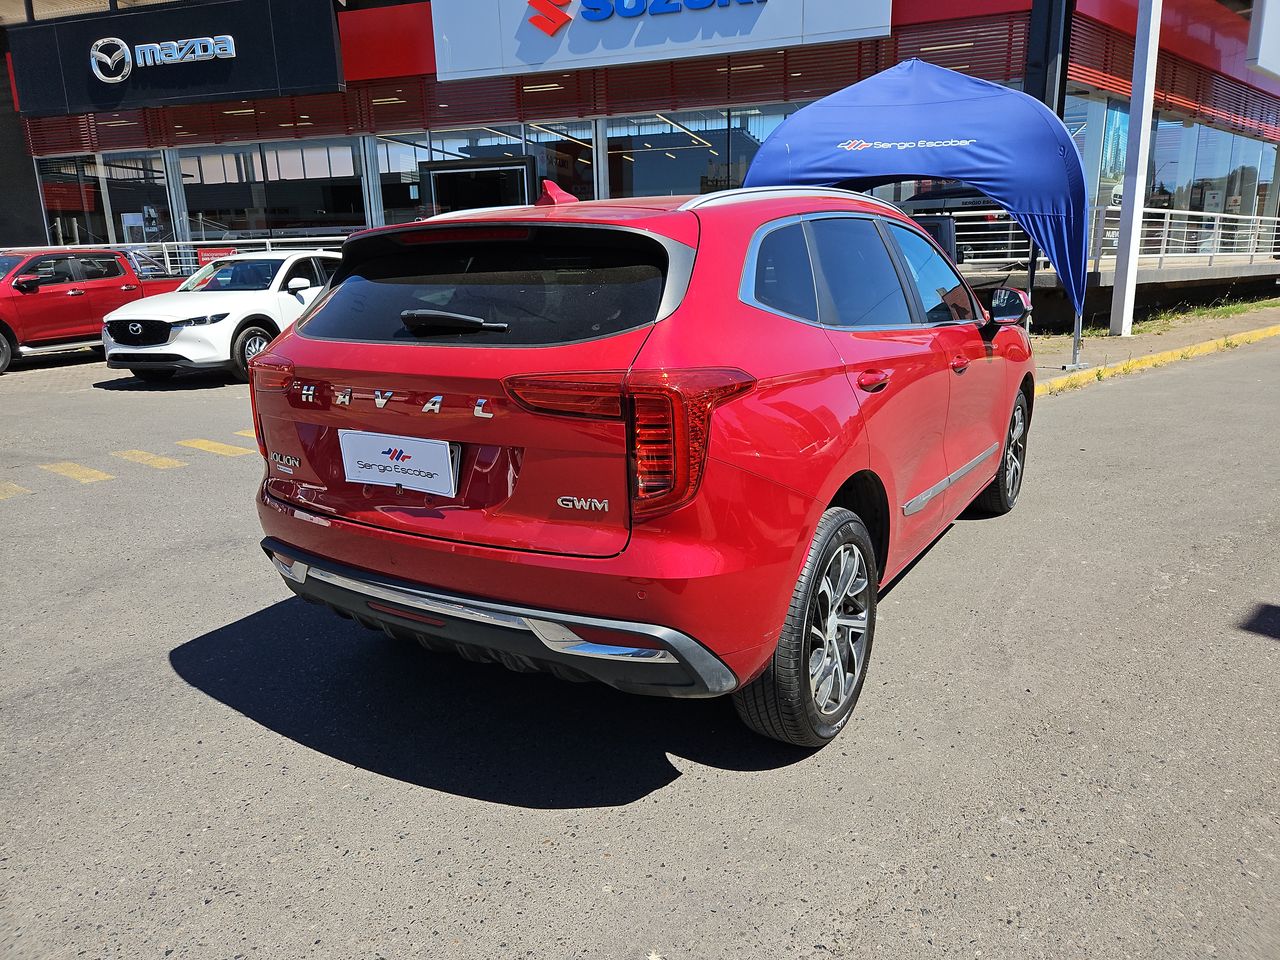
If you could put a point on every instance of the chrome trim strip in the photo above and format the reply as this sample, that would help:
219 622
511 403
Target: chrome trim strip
916 504
547 626
61 347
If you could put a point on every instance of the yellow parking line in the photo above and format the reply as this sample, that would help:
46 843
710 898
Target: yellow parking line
213 446
8 490
75 471
246 433
149 459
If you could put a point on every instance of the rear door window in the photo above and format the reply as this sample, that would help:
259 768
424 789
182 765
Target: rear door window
943 294
100 268
859 275
547 285
784 275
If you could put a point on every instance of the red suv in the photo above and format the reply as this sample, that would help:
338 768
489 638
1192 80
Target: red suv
672 444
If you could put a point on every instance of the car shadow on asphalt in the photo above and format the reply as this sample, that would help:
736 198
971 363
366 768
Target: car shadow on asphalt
181 382
1265 621
473 730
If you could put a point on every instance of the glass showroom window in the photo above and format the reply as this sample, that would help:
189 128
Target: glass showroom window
114 198
749 127
314 187
294 189
563 152
668 154
225 193
399 157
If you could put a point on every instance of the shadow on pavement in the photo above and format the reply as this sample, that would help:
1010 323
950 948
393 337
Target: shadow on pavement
474 730
181 382
1265 621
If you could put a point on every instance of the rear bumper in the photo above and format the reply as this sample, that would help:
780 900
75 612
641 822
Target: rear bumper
665 662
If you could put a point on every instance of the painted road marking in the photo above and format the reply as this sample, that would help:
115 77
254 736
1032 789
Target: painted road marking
8 490
246 433
213 446
149 459
75 471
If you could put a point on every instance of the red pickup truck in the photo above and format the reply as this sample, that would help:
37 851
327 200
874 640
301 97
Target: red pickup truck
54 300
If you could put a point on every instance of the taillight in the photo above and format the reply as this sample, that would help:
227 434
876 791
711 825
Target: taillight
594 395
668 414
268 373
671 430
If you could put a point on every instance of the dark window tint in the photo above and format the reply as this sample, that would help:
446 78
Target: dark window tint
547 284
943 293
100 268
864 286
784 276
52 270
328 267
304 269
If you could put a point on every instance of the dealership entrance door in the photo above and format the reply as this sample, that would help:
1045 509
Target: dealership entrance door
465 184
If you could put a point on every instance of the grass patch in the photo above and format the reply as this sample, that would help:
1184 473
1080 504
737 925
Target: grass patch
1163 321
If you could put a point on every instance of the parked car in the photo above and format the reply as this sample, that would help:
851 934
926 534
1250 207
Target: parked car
676 445
54 300
221 316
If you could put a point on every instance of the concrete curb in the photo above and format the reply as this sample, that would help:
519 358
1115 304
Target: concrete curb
1081 378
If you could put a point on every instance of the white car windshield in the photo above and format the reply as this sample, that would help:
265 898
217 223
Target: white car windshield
233 275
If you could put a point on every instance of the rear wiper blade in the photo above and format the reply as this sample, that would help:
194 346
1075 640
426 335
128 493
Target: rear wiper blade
444 321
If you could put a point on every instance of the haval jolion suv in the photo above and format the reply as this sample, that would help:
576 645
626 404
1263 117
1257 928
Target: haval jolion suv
672 444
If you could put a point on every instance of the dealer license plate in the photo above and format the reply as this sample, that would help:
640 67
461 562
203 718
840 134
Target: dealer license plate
386 460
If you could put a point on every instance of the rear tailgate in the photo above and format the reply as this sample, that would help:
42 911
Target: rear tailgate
415 432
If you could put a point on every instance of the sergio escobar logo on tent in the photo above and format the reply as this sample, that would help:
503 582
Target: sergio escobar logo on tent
902 144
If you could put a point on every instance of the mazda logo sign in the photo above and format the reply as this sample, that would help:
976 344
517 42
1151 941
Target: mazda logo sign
135 329
110 60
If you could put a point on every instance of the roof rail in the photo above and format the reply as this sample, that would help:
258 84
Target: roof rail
722 197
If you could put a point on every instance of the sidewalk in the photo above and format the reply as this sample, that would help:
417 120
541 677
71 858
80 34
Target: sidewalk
1051 352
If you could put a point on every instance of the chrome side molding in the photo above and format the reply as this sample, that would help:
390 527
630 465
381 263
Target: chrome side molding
918 503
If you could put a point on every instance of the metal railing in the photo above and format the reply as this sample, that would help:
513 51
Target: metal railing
988 239
183 258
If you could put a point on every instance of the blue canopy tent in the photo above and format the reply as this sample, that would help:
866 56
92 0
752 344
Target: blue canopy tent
919 120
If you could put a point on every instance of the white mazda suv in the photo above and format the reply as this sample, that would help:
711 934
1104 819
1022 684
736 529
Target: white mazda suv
222 316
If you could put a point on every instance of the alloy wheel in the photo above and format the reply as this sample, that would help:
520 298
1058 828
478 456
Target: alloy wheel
838 630
1015 453
254 346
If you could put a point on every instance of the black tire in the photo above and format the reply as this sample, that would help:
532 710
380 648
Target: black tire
242 351
153 375
782 703
6 352
1001 495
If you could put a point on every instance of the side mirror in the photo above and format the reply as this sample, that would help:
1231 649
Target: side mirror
298 284
27 283
1010 306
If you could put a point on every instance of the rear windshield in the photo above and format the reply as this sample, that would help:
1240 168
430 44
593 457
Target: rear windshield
546 284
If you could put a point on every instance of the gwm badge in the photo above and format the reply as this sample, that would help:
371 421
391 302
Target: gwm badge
111 61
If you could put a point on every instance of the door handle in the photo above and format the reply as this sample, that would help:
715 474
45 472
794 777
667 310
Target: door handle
75 293
873 381
959 364
129 287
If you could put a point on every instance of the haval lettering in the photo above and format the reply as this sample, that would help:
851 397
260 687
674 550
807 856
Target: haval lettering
676 445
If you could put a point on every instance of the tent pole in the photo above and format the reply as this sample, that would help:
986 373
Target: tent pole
1075 363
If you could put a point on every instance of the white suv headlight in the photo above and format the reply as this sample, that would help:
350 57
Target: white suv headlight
201 321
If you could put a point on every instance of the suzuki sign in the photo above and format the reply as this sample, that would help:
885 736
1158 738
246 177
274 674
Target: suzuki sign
486 38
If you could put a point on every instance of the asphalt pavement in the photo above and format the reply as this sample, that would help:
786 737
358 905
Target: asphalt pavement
1067 746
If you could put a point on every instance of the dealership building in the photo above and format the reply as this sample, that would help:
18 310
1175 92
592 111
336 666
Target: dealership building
234 120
